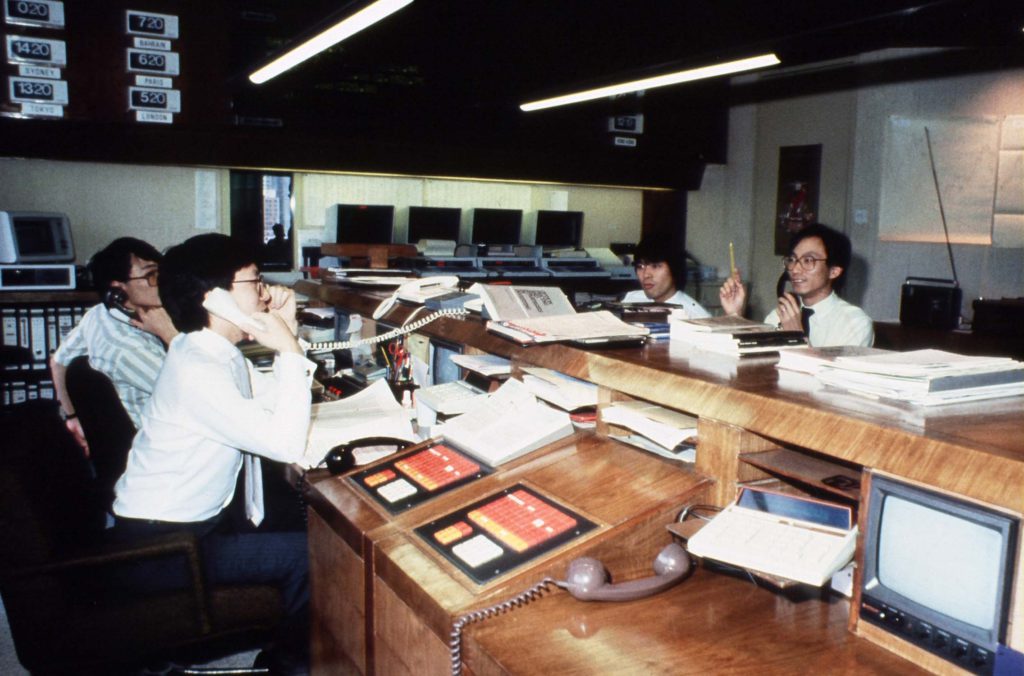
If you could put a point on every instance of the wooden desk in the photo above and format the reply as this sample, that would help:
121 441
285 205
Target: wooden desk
975 450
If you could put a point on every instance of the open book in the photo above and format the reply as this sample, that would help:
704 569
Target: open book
502 302
508 424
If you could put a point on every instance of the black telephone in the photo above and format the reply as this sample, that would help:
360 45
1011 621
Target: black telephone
780 286
587 579
115 300
342 458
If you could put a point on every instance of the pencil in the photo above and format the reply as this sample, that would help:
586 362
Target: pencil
732 260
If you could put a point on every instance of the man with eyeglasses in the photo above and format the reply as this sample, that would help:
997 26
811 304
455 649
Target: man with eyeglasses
662 274
125 337
817 262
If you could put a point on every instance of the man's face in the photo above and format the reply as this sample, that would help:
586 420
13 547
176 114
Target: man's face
815 284
248 290
137 286
656 280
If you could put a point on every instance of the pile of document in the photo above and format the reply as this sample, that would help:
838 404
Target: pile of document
733 336
925 377
565 392
667 433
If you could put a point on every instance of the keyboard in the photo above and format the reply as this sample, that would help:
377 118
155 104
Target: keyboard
774 544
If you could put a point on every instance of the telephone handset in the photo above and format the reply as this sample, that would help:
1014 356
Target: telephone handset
418 291
342 458
780 286
587 578
220 302
115 300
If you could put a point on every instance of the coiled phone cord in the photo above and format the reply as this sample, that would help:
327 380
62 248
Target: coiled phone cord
394 333
455 644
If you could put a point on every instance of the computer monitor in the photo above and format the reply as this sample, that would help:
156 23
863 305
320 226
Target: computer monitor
938 570
434 223
361 223
500 227
559 229
442 368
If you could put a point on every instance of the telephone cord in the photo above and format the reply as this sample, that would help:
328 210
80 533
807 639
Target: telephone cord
455 644
394 333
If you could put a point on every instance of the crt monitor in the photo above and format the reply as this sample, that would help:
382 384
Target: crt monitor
559 229
361 223
938 570
497 226
434 223
35 237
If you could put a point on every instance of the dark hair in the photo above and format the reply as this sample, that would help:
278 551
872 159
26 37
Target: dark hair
113 263
656 250
838 251
195 266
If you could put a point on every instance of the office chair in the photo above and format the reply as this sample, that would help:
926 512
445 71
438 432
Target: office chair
63 586
105 422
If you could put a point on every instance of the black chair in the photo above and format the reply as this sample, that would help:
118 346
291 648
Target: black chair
106 424
62 584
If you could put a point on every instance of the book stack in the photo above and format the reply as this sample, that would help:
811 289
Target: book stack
925 377
734 336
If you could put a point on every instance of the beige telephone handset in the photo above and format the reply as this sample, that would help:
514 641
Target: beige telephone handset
418 291
220 302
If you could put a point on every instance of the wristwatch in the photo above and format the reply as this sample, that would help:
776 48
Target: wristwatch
64 415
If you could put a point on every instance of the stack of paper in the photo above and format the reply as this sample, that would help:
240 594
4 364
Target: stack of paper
812 359
510 423
490 365
565 392
672 433
733 335
452 398
926 377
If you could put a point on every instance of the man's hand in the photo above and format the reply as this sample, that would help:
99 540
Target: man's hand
155 320
278 335
733 295
282 304
74 426
789 313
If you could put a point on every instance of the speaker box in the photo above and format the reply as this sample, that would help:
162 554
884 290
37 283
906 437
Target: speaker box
930 303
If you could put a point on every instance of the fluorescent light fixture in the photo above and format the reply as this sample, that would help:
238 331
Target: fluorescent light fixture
690 75
345 28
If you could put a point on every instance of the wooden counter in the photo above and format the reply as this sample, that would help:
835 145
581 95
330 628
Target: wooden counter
974 450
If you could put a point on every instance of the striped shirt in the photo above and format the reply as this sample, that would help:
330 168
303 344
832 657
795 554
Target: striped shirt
130 357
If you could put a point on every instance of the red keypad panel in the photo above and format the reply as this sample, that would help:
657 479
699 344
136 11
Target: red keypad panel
437 466
521 520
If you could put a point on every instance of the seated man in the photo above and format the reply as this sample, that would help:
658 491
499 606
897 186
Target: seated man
662 273
125 336
817 262
209 410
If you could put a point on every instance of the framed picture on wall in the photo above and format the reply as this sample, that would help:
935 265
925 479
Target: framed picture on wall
796 202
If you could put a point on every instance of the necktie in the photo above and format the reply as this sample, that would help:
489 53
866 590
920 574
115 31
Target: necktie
250 462
805 319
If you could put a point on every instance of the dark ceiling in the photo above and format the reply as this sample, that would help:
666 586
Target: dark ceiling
435 88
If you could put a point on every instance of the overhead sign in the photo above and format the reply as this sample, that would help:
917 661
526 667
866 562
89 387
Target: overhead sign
44 13
165 100
32 90
22 49
145 61
152 25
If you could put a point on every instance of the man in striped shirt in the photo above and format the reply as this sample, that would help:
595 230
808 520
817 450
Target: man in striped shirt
125 337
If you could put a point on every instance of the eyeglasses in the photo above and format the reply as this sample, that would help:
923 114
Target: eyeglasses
807 263
152 277
258 281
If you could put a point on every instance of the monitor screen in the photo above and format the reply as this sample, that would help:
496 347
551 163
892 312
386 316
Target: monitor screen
443 369
434 223
497 226
35 237
559 229
943 563
362 223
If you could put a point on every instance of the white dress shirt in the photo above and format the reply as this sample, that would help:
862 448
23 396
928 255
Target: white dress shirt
185 459
835 322
693 309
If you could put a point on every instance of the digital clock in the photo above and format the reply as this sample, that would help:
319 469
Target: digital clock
153 25
167 100
49 13
21 49
31 90
145 61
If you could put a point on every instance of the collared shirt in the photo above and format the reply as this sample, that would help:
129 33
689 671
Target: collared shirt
130 357
835 322
693 309
186 457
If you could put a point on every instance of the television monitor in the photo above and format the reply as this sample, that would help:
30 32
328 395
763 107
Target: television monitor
497 226
35 237
443 369
559 229
938 571
434 223
361 223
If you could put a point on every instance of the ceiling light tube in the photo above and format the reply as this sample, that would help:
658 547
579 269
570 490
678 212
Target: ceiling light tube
689 75
345 28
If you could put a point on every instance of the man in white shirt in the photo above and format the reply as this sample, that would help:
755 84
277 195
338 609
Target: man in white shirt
662 273
210 409
125 337
817 261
